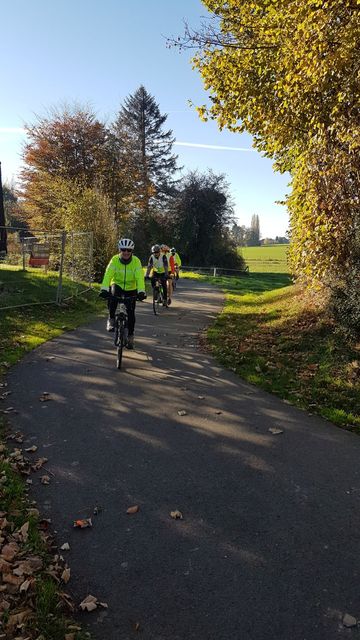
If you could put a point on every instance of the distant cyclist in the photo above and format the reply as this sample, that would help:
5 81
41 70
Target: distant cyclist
123 276
159 269
166 252
177 261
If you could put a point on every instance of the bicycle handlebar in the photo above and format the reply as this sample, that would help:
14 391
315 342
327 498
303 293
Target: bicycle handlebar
122 298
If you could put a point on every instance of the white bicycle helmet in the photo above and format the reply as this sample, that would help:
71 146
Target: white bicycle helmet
173 250
155 248
125 243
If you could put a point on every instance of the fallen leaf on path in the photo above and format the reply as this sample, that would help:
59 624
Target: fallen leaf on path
24 531
201 397
45 479
45 397
177 515
9 410
65 576
133 509
82 524
25 585
218 412
9 551
182 413
275 431
65 546
31 449
89 603
15 581
349 621
38 464
17 619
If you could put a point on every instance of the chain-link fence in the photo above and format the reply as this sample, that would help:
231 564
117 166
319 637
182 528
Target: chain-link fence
39 267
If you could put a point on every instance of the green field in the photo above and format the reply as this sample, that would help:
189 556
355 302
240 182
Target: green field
266 259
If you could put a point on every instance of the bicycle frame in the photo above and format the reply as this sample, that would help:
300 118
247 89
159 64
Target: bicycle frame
121 327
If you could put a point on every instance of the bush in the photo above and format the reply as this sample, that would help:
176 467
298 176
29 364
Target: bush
345 302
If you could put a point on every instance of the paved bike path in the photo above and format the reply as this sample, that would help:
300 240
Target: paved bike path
269 544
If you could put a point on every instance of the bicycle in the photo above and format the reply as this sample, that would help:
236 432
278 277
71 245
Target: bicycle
173 281
121 327
158 297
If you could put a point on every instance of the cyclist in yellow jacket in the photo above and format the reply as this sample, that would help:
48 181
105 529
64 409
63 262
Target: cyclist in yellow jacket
123 275
159 269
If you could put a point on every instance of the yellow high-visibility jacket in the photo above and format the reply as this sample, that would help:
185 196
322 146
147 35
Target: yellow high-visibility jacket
128 276
177 259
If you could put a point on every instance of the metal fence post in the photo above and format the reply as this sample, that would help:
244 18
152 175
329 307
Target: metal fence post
214 272
59 289
91 257
23 255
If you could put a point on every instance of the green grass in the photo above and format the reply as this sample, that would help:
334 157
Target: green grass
49 622
23 329
270 337
266 259
19 287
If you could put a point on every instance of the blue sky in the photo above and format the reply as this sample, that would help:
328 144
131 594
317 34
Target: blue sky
97 53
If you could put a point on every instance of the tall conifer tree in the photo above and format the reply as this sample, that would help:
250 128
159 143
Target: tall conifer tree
146 152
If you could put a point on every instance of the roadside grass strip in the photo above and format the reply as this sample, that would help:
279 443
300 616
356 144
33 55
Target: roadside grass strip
272 337
33 602
24 329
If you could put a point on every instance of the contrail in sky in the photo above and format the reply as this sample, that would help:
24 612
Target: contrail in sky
197 145
210 146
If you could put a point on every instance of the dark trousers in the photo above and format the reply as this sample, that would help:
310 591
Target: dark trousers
161 277
129 302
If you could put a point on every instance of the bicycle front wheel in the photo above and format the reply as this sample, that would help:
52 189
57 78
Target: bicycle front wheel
120 347
157 300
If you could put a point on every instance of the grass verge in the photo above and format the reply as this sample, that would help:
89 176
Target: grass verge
33 604
270 336
25 328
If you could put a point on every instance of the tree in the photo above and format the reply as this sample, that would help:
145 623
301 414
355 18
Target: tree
238 234
201 215
253 233
145 150
12 207
68 144
288 73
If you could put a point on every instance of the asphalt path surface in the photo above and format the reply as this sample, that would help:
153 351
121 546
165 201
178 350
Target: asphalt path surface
268 547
